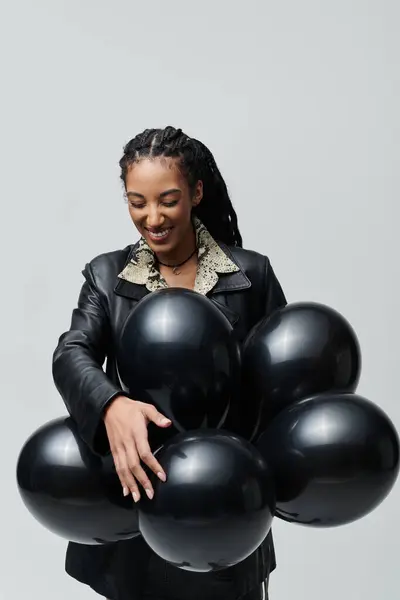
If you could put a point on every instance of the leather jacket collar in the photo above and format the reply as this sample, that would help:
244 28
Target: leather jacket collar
217 270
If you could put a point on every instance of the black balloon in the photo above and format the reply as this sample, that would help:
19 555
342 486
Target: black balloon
335 457
216 506
300 350
177 351
71 491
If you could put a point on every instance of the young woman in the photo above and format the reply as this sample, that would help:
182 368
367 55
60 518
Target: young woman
180 205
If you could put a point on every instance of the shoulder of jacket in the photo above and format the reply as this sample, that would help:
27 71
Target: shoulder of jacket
108 264
249 259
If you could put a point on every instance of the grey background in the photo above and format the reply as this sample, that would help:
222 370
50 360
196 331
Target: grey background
299 101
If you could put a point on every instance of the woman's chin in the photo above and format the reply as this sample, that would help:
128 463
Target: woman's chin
161 247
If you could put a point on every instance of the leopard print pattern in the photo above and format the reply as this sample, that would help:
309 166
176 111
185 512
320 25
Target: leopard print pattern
212 261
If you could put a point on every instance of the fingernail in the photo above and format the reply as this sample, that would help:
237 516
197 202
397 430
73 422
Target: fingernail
165 421
135 496
125 491
150 494
161 476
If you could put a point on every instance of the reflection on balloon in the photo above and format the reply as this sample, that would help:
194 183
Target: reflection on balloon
335 457
300 350
216 506
71 491
178 352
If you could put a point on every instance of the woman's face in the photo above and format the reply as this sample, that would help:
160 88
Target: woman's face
160 203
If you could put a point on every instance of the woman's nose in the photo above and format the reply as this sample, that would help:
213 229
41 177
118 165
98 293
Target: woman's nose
154 218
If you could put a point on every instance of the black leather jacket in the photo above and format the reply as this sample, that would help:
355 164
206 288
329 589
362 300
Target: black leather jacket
117 571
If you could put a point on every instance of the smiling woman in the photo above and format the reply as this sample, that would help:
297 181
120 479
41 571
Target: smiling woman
160 205
179 203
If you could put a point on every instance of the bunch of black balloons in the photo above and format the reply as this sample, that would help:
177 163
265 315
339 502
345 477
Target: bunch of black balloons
274 429
334 454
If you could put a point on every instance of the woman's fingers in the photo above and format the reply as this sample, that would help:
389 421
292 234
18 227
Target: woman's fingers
152 414
138 472
124 471
144 451
126 423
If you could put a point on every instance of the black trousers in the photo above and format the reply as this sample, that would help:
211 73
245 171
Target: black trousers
165 582
259 593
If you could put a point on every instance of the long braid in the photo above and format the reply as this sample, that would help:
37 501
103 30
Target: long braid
196 162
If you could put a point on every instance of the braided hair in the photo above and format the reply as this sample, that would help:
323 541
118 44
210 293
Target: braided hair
196 162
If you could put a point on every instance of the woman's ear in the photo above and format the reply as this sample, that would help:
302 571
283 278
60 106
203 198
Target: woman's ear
198 194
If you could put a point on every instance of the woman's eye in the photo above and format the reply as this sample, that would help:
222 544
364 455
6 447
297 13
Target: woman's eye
139 205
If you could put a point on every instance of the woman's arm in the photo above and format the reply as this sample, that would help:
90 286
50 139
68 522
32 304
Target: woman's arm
273 297
243 413
106 418
78 365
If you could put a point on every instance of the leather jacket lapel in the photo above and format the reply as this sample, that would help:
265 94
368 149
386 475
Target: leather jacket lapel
231 315
134 291
227 282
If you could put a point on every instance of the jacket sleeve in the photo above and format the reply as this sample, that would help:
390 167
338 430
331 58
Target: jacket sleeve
274 297
78 365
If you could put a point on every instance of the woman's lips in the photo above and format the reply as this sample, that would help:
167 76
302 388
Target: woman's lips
159 235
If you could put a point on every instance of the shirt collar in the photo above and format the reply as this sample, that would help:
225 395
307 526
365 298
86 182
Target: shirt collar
212 261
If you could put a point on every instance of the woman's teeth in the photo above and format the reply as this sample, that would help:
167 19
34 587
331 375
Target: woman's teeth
159 235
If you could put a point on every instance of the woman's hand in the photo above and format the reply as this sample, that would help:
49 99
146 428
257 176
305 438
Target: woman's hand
126 423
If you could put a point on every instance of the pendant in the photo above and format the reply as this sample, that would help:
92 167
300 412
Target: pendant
176 271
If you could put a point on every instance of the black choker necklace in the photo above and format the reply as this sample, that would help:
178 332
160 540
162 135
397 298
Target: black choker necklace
176 267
